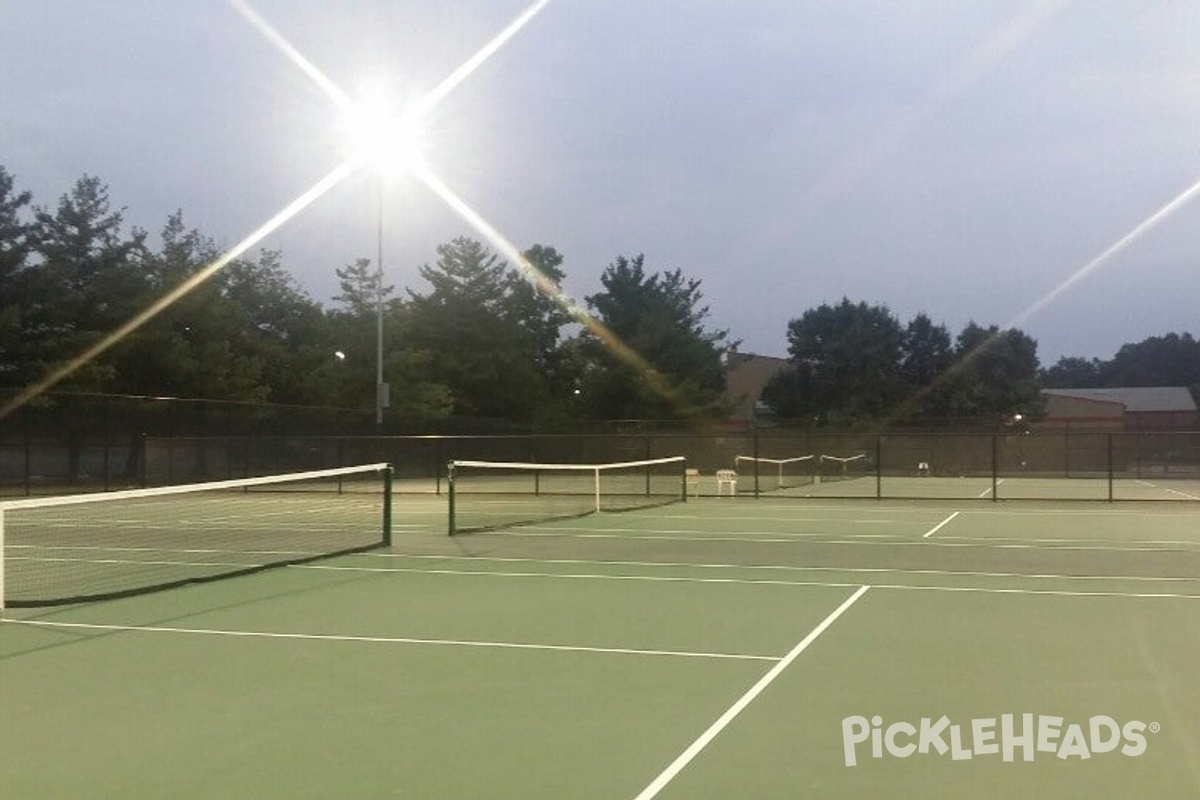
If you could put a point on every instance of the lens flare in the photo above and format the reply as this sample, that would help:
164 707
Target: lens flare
655 379
389 137
1049 297
270 226
1116 247
330 88
382 139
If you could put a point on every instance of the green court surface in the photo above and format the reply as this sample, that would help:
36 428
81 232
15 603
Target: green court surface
719 648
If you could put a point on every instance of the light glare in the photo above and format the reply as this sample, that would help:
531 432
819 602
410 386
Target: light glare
384 139
379 135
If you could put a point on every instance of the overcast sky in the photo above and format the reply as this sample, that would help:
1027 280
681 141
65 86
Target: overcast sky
963 159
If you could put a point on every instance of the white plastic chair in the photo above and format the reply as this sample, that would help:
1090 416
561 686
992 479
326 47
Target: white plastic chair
726 477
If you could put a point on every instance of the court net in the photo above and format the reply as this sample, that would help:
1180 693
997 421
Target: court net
841 468
485 495
776 473
76 548
773 474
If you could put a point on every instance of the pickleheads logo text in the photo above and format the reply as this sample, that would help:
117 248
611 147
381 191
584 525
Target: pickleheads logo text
1009 736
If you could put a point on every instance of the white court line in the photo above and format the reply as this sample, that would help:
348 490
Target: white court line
703 565
577 576
1050 592
787 519
951 541
584 576
939 526
693 750
388 640
639 529
988 490
1169 491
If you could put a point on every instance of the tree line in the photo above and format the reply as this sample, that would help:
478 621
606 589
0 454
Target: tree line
483 339
1169 360
854 363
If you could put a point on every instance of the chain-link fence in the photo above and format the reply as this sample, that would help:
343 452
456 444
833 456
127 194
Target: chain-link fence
70 443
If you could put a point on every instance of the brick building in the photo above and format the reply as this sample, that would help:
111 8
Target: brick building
1138 408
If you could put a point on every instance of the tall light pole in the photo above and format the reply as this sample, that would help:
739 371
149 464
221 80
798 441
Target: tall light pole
388 141
381 388
376 131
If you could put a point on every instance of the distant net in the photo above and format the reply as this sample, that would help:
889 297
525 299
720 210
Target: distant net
776 473
842 468
75 548
486 495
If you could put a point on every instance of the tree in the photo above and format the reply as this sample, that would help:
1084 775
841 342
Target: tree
82 279
651 357
88 279
847 360
348 379
1170 360
927 352
247 333
541 315
1073 373
14 251
996 373
928 356
362 289
184 351
14 232
789 394
277 328
536 302
476 334
853 363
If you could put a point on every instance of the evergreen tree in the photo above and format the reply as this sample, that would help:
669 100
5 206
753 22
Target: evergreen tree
652 356
88 279
474 335
15 244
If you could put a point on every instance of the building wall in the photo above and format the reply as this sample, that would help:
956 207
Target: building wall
1062 411
746 375
1152 409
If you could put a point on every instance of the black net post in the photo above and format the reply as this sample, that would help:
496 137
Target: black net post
388 473
450 495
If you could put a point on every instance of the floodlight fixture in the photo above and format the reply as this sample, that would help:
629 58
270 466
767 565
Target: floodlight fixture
382 137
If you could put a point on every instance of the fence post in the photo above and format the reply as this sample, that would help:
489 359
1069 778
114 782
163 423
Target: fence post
754 451
879 467
25 434
141 459
107 443
439 458
995 467
1110 466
